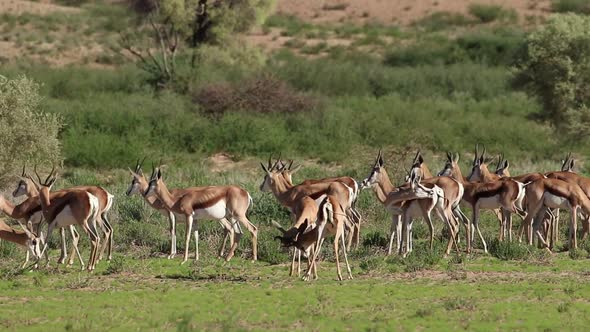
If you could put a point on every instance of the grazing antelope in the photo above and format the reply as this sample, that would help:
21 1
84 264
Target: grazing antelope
220 203
330 221
554 193
301 200
387 194
26 187
72 207
507 194
23 238
354 217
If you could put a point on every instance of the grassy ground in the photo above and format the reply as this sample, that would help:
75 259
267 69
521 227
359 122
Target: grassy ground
481 293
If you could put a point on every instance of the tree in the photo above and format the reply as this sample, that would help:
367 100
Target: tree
173 27
555 67
28 134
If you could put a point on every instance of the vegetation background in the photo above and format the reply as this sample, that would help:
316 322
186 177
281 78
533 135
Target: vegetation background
326 83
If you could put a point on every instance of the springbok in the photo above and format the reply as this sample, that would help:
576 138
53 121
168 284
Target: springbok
354 217
23 238
139 185
507 194
301 200
26 187
72 207
554 193
210 202
387 194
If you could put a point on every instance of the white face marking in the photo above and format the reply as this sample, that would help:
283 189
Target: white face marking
151 190
20 190
265 186
133 188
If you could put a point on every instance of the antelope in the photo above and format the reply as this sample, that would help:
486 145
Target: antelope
23 238
353 215
554 193
26 187
507 194
387 194
301 200
139 185
72 207
330 221
211 202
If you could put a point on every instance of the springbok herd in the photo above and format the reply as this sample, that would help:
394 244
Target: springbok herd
319 208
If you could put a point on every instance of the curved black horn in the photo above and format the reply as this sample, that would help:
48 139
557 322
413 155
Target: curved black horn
37 174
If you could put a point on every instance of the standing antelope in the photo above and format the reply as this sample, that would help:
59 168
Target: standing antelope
378 179
507 194
26 187
23 238
211 202
330 221
72 207
353 216
301 200
139 185
554 193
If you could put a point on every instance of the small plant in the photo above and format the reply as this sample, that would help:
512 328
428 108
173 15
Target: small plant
578 253
336 6
506 250
563 307
375 239
116 266
459 304
370 264
424 312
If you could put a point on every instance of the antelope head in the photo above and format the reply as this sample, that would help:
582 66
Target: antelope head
273 175
567 165
24 186
33 243
138 180
502 166
289 238
480 165
154 182
377 173
44 187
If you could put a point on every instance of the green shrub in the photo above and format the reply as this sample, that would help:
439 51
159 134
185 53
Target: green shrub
116 265
28 133
506 250
555 68
442 20
375 239
270 250
490 13
572 6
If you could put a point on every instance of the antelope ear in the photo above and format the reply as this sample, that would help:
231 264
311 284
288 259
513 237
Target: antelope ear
26 230
572 163
159 174
420 159
302 227
456 157
506 164
380 161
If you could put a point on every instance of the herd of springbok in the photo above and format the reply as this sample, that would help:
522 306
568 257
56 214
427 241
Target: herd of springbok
319 209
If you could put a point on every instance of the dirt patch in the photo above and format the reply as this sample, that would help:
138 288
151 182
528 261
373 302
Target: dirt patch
18 7
395 11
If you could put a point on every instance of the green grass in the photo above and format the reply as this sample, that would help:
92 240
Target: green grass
490 13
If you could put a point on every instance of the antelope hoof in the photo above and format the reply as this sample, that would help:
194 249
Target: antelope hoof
171 256
184 261
61 260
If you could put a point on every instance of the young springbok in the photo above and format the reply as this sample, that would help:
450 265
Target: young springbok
23 238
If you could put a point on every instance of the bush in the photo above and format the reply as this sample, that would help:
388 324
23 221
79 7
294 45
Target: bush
261 94
571 6
490 13
506 250
375 239
442 20
28 134
555 68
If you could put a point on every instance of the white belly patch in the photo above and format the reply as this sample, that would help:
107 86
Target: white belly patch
492 202
65 218
215 211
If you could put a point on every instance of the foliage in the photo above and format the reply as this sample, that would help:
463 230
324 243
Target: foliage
263 93
28 133
505 250
556 69
572 6
443 20
489 13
